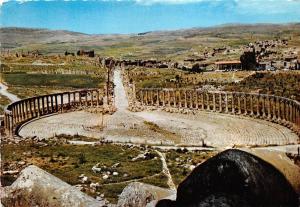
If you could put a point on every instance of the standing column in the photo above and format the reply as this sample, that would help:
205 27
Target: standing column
164 97
30 108
142 97
185 98
258 105
38 106
214 101
69 99
233 106
207 101
245 104
279 109
52 104
197 99
157 95
251 105
62 102
202 100
56 103
239 103
220 102
175 99
169 98
180 102
152 98
86 98
36 110
226 102
26 109
263 106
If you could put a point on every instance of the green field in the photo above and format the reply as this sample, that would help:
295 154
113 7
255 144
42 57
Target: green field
68 162
52 80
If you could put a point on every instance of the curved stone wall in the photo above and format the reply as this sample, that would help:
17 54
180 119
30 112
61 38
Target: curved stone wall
24 110
276 109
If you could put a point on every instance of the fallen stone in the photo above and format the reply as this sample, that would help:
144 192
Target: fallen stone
140 194
36 187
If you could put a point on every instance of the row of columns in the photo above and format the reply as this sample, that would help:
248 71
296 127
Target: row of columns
271 108
26 109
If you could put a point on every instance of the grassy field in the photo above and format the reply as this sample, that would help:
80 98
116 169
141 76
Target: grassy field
68 162
179 162
52 80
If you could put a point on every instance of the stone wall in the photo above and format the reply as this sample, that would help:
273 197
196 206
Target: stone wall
271 108
24 110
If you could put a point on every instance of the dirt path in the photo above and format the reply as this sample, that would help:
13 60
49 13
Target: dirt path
4 92
166 171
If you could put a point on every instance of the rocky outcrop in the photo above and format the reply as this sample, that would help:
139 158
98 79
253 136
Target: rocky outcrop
234 178
141 195
36 187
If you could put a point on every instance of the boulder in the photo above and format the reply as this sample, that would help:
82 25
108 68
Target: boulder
140 194
234 178
36 187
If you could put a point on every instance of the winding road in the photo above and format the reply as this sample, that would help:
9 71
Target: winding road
4 92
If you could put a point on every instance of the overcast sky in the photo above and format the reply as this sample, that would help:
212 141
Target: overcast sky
133 16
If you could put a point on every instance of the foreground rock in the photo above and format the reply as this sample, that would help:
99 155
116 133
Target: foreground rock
234 178
139 195
36 187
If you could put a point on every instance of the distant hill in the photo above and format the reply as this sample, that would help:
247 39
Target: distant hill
157 44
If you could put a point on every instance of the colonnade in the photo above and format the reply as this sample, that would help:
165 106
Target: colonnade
26 109
268 107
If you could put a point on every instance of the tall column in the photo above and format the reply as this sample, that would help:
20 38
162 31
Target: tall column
197 99
141 97
152 97
52 104
62 102
220 102
69 99
38 106
263 106
233 104
35 106
239 103
185 99
30 108
26 109
157 95
175 99
258 105
214 101
169 98
97 96
180 102
226 102
245 104
202 100
56 103
86 98
164 97
207 101
251 105
278 109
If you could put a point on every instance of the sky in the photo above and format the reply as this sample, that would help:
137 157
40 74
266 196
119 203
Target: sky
134 16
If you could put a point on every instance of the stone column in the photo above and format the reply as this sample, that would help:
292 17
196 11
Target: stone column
169 98
214 101
251 105
207 101
258 105
233 104
38 106
30 108
26 109
69 99
197 99
97 96
279 109
245 104
86 98
35 106
226 102
62 102
152 97
56 103
185 99
220 102
202 100
180 102
157 95
175 99
263 106
239 103
164 97
52 103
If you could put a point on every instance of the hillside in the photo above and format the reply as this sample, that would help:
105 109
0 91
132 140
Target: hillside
159 44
